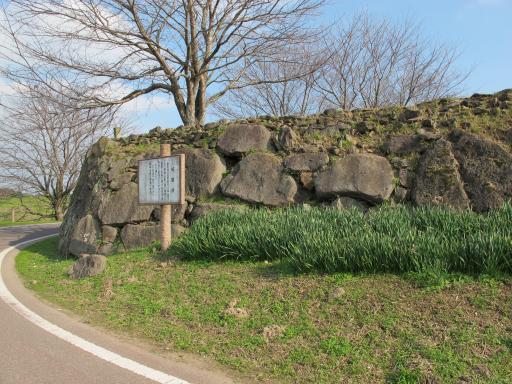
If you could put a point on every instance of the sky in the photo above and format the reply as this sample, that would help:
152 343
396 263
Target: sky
480 29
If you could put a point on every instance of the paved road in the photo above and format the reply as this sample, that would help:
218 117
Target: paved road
31 355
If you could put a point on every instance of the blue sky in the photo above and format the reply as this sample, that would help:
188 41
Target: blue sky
480 29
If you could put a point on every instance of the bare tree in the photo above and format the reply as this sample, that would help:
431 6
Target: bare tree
373 64
194 50
44 142
285 85
366 64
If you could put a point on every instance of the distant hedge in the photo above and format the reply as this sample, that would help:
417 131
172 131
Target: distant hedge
386 239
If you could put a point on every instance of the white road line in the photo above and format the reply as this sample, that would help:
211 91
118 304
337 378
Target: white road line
96 350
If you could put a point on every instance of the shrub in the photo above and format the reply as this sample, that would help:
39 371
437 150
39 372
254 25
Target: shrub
387 239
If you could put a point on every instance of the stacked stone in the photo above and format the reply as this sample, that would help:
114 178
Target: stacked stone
278 162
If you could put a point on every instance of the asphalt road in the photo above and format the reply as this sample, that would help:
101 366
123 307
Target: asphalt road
32 355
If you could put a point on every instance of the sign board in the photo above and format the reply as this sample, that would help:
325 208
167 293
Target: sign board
162 180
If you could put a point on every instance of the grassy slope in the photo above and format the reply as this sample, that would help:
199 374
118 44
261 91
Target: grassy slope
380 328
36 204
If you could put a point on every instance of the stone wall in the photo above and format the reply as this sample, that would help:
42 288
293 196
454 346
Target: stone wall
452 152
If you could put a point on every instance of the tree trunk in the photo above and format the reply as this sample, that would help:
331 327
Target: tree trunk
58 210
201 101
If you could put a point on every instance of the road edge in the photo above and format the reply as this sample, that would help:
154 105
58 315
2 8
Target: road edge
77 341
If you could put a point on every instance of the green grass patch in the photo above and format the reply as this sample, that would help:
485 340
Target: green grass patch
37 212
387 239
341 327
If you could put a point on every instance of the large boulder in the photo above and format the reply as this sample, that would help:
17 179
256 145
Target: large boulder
486 169
203 171
437 179
260 178
306 162
240 139
109 234
362 176
139 236
84 201
84 236
123 206
88 265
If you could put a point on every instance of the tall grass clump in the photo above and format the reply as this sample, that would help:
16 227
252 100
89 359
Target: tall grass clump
386 239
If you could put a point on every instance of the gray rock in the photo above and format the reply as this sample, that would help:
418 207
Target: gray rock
99 148
84 238
240 139
287 138
260 178
437 179
88 265
84 201
123 207
403 144
363 176
107 249
203 171
486 169
306 161
117 167
406 178
140 236
120 180
344 203
203 209
108 234
307 181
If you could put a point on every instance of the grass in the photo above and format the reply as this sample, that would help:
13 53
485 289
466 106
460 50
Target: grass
387 239
417 327
22 216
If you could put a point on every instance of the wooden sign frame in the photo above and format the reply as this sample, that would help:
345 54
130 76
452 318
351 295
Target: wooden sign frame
181 185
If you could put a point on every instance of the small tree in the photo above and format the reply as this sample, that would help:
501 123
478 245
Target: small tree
373 64
193 50
367 64
283 85
44 142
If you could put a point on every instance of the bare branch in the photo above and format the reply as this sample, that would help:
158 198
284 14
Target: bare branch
142 46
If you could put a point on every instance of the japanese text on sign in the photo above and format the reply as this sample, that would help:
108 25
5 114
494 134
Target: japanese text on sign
159 181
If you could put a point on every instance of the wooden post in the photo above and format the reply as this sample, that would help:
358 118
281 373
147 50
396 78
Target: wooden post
13 215
165 209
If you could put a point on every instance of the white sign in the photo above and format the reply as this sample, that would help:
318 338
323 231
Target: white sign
160 180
